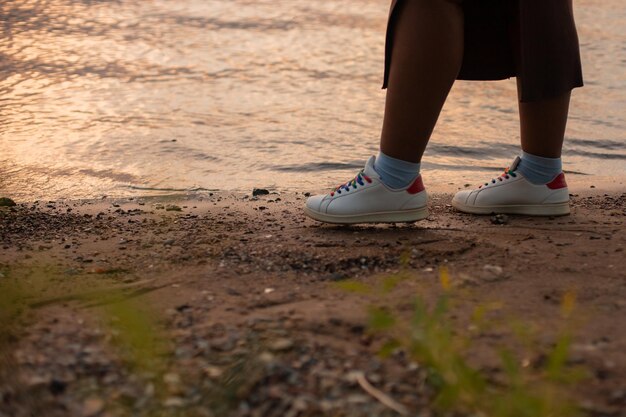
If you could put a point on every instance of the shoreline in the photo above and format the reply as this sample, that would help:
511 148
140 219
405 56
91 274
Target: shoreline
233 276
582 184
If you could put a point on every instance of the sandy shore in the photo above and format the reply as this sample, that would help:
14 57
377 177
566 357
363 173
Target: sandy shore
246 293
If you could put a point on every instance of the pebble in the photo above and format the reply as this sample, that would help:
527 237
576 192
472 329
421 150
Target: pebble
92 407
266 357
174 402
500 219
259 191
6 202
213 372
171 379
57 387
36 380
492 272
338 276
183 307
280 345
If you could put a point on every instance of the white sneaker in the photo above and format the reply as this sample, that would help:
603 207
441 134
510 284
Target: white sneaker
513 194
366 199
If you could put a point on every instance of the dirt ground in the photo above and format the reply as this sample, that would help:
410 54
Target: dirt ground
246 292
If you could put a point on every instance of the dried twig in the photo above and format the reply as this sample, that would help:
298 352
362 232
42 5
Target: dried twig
381 396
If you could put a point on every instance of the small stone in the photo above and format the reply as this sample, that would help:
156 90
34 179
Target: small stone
266 357
183 307
150 390
173 383
57 387
174 402
232 291
259 191
213 372
223 344
493 268
37 380
280 345
300 404
6 202
500 219
338 276
92 407
464 280
275 392
357 328
171 379
173 207
493 272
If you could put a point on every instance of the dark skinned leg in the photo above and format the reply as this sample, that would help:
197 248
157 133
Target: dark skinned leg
542 125
426 59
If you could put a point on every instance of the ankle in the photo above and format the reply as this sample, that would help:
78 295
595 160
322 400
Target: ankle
396 173
539 169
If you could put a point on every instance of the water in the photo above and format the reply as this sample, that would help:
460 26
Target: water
125 98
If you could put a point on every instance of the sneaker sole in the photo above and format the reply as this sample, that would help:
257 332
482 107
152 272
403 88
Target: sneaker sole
404 216
556 209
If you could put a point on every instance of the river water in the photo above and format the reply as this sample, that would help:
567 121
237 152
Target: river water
122 98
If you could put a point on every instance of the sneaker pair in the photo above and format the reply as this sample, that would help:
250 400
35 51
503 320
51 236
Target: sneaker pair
366 199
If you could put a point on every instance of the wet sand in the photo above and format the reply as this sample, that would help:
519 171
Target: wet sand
233 276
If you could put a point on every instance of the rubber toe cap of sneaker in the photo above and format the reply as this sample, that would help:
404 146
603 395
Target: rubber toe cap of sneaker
315 203
462 196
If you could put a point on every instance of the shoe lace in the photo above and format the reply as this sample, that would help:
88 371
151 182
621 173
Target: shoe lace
505 176
354 183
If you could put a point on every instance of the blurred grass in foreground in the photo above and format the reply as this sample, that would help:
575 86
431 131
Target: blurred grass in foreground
138 337
432 341
428 336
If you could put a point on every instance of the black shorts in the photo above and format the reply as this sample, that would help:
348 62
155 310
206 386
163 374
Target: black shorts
533 40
